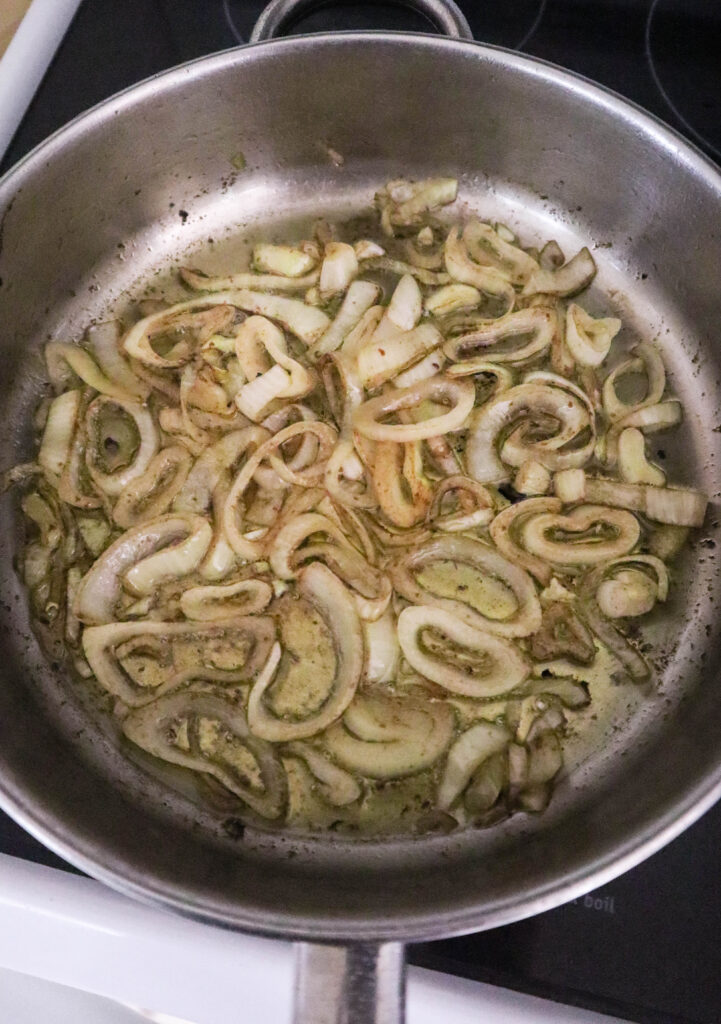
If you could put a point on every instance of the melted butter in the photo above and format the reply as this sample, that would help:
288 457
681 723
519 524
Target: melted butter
485 594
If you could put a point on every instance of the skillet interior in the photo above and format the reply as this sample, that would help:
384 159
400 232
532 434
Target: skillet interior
109 204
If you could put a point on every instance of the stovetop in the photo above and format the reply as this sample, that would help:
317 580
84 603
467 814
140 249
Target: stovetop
646 947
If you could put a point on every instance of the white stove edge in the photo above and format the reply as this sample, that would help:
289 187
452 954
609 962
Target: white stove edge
28 57
76 932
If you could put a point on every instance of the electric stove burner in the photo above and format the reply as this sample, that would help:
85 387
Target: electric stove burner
683 49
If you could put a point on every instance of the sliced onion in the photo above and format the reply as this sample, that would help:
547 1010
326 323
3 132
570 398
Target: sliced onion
648 418
403 203
286 260
457 521
359 298
460 395
532 479
200 282
380 361
633 466
105 341
547 400
228 601
589 339
101 587
406 304
430 277
627 655
488 562
534 534
463 269
471 749
538 322
403 492
627 589
492 666
382 649
505 530
339 267
646 360
66 363
675 506
154 728
249 638
385 737
566 280
336 785
59 432
452 298
488 246
214 464
114 482
282 551
153 492
329 597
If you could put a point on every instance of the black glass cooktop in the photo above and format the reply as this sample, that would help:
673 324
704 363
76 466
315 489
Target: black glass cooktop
646 947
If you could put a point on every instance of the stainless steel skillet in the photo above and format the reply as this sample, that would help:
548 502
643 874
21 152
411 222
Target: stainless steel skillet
117 196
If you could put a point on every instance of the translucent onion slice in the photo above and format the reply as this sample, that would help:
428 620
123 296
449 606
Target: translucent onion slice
566 280
532 479
213 464
156 727
427 367
324 591
462 268
105 341
114 482
336 785
649 419
505 533
250 639
382 648
481 502
429 277
633 466
406 304
452 298
488 562
227 601
387 737
403 491
646 360
627 655
282 552
153 492
675 506
100 589
536 322
286 260
381 360
179 557
200 282
67 363
544 403
490 665
541 535
470 750
403 203
359 298
370 588
628 589
339 267
487 246
59 432
589 339
460 395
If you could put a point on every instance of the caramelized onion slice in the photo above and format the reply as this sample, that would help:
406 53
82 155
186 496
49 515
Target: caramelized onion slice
487 562
489 666
156 729
470 750
181 651
388 737
536 323
582 543
324 591
226 601
545 404
100 589
460 395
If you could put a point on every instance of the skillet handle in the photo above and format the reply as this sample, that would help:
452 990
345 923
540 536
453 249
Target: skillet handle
359 984
445 15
